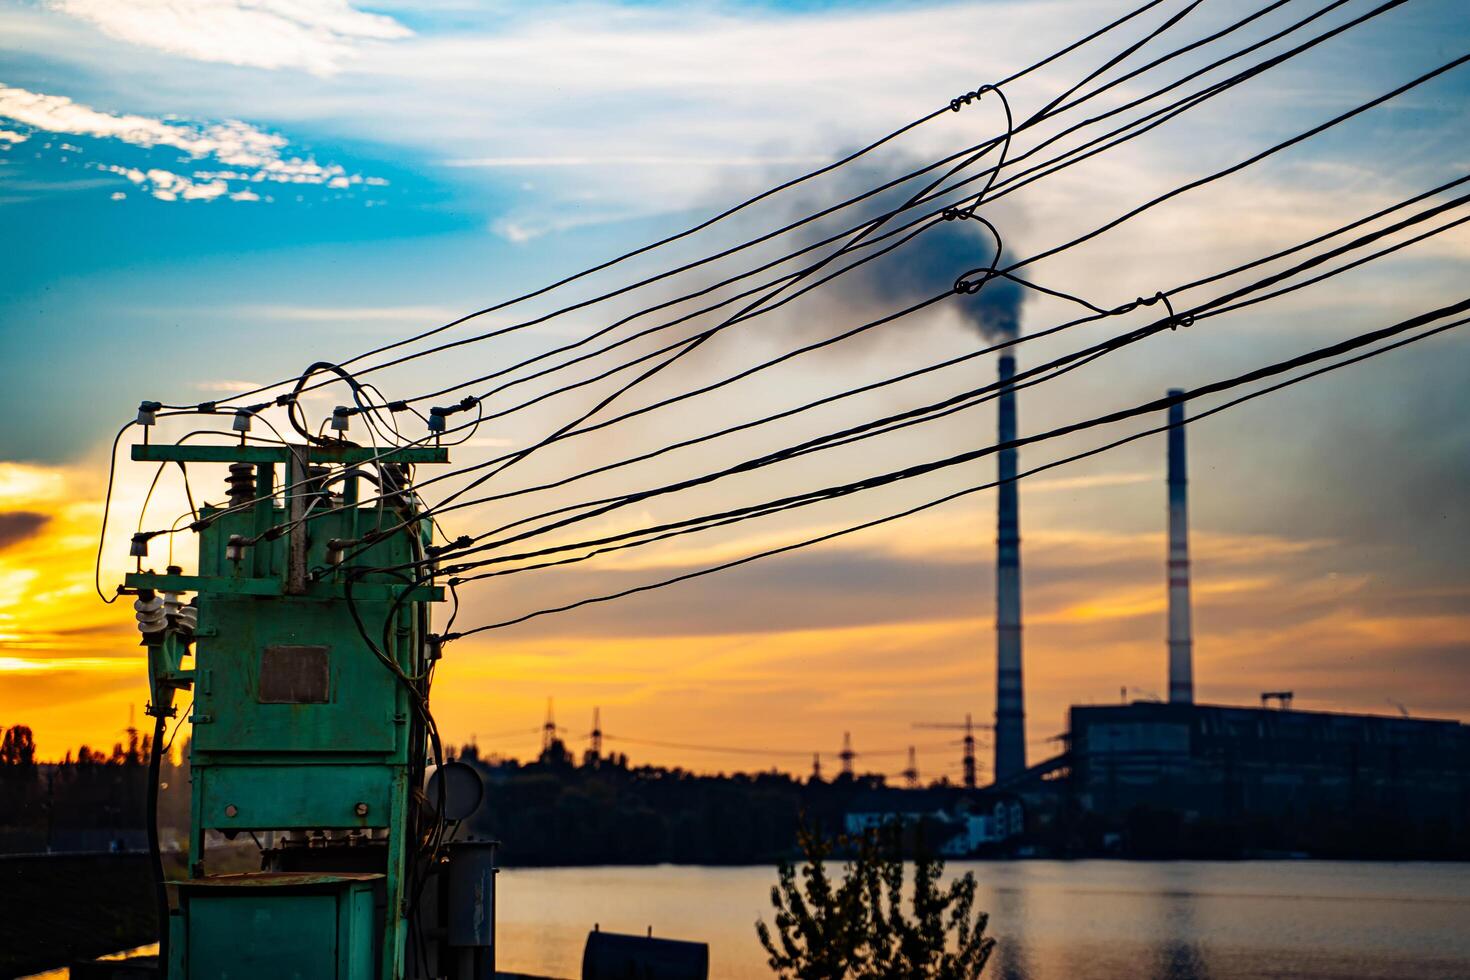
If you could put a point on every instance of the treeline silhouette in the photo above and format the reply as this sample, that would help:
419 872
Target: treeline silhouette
90 800
552 810
557 810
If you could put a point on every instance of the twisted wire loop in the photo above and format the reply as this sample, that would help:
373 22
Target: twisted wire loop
1174 320
950 213
969 287
959 102
964 285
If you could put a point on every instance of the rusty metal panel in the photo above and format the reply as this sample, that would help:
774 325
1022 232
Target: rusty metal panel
241 710
294 674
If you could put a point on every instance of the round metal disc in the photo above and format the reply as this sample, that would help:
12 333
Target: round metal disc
463 789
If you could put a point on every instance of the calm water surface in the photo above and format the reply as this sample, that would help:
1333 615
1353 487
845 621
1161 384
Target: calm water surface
1055 920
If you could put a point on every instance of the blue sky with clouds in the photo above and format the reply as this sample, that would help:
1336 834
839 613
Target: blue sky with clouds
202 194
208 160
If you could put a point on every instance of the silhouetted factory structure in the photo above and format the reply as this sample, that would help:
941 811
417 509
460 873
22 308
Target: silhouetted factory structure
1010 714
1229 764
1261 777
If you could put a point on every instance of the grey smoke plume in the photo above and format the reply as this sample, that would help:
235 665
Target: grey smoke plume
933 261
930 262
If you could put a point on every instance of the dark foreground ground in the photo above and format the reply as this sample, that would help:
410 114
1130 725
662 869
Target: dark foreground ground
55 908
58 909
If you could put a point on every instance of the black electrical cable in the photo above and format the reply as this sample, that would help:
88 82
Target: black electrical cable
1228 171
1278 277
1164 115
701 338
695 342
99 588
106 512
950 107
925 199
1129 337
429 840
868 430
1050 252
155 849
680 343
1422 236
675 348
727 517
973 152
1341 28
879 427
1187 103
107 496
927 412
1006 138
1385 6
1237 167
950 362
183 717
309 484
971 490
158 474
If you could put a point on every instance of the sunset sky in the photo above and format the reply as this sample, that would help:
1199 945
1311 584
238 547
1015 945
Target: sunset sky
199 196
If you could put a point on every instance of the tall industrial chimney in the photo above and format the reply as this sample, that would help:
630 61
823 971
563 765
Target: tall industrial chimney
1181 642
1010 714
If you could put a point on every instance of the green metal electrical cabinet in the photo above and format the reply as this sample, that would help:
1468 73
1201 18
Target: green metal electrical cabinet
281 926
303 722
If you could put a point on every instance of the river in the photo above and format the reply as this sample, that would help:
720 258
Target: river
1055 920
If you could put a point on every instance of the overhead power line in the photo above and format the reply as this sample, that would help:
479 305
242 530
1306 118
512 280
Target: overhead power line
1158 117
934 410
949 362
985 174
1339 29
954 105
1151 407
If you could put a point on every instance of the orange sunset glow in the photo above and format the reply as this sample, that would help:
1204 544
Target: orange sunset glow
1268 617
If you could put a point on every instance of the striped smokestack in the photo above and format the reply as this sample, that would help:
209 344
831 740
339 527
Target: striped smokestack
1010 714
1181 642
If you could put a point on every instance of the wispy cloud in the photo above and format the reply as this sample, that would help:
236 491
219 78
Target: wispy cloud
224 385
1089 482
234 143
635 161
314 35
169 186
37 665
256 157
354 314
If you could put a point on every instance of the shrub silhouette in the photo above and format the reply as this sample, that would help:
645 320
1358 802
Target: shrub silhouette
856 927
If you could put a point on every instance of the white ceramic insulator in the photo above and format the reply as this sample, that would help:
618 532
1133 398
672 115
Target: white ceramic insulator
150 615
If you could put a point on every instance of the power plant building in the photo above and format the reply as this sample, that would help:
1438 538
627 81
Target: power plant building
1179 777
1235 764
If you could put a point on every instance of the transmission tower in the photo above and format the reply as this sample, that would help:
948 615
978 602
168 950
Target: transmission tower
968 727
596 736
911 774
847 754
816 767
548 728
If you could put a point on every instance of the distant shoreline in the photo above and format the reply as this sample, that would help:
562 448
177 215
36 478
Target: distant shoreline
1067 859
